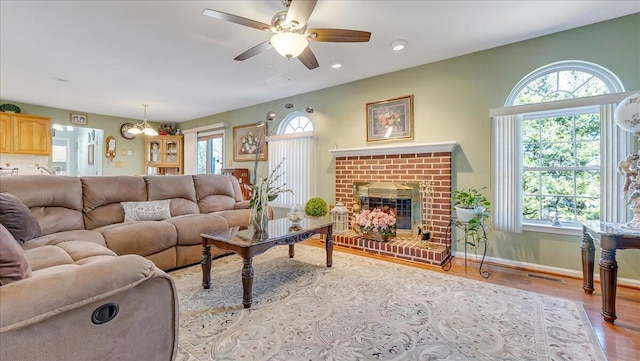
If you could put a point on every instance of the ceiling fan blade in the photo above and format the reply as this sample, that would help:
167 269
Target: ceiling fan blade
237 20
300 11
254 51
338 35
308 59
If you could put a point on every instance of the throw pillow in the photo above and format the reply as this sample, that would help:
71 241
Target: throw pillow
14 265
18 219
146 211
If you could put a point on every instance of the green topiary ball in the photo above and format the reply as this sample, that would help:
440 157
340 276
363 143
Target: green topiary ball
316 207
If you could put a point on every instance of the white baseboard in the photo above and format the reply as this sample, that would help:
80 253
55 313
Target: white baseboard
542 268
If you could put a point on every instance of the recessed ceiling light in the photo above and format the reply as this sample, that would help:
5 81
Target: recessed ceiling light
398 45
336 64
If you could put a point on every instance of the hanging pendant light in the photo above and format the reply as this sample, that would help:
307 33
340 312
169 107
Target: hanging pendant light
144 127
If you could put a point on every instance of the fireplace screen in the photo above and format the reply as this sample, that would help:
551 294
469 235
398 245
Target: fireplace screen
402 197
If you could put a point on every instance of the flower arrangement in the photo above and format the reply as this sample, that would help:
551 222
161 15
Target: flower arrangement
378 220
264 191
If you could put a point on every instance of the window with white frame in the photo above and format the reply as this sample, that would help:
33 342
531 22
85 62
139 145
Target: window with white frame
559 169
296 143
209 152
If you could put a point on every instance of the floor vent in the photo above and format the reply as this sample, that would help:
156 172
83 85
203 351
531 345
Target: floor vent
547 278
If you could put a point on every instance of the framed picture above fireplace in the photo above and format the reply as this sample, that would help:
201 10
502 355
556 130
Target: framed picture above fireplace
390 119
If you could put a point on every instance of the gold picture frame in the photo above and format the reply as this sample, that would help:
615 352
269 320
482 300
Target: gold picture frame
390 119
247 140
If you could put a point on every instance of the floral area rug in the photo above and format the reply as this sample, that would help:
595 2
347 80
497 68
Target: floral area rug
367 309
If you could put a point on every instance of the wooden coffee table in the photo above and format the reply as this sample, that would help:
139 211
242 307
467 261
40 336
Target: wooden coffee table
247 243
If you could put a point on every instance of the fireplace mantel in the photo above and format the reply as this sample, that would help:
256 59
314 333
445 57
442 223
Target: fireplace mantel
395 149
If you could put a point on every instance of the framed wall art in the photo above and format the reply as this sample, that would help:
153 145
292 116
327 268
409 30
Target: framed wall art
247 141
80 119
390 119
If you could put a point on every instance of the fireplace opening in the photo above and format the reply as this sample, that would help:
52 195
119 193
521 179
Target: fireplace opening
402 197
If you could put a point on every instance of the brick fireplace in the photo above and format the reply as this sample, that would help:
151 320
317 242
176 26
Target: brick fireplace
403 163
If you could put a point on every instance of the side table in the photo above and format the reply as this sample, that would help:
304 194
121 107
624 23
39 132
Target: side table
612 236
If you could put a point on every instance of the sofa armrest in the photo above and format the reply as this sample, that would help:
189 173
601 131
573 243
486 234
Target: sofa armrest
64 287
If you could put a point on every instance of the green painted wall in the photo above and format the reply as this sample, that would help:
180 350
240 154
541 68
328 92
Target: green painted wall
452 101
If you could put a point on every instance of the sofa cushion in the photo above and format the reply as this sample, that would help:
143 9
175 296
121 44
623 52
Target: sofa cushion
17 218
146 211
216 192
102 197
55 201
59 237
144 238
191 226
14 265
179 189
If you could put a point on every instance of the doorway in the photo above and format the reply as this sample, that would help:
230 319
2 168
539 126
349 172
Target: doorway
77 151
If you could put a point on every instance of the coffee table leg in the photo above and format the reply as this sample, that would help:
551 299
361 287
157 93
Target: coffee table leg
247 282
206 266
292 252
328 245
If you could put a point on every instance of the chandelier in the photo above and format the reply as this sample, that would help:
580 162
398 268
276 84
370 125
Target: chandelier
144 127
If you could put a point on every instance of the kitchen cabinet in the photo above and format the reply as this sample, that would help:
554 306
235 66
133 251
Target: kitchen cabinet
163 154
25 134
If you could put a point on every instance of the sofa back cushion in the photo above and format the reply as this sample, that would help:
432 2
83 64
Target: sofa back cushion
55 201
102 197
216 192
179 189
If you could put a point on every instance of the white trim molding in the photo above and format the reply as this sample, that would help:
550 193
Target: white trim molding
205 128
446 147
629 282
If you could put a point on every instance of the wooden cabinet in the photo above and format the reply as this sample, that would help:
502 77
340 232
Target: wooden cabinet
163 154
25 134
243 177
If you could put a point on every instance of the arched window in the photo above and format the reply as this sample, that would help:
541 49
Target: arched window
296 122
296 143
564 80
558 175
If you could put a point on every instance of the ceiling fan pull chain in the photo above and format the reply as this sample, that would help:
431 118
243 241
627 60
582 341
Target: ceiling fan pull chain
288 69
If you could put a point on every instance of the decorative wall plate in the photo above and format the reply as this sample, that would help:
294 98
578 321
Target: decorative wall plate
9 108
124 131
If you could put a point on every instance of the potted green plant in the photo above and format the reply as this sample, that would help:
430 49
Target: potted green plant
472 210
316 207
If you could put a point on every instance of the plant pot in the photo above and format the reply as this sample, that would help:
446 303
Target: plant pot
465 214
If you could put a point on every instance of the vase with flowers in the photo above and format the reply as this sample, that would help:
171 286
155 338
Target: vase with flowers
264 191
378 224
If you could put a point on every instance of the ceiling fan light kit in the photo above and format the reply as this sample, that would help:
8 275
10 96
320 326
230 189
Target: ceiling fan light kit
289 45
292 37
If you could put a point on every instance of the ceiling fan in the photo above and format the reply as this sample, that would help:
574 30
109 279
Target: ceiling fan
291 36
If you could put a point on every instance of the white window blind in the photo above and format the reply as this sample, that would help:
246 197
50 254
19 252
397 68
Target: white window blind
507 172
299 167
615 145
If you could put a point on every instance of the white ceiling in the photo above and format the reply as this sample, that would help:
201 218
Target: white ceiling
117 55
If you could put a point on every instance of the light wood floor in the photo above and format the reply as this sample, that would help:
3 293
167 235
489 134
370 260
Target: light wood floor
620 341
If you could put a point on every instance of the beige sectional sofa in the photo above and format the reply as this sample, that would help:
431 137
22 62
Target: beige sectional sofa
85 258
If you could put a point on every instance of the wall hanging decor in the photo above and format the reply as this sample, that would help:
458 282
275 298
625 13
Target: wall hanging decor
390 119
